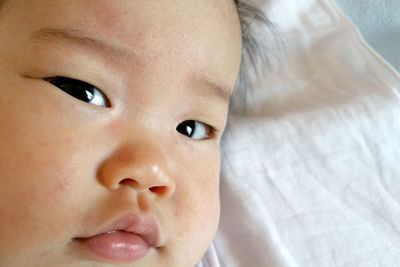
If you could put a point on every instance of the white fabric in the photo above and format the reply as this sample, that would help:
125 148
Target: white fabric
310 174
210 259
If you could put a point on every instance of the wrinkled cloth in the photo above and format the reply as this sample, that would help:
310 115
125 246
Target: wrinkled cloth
310 171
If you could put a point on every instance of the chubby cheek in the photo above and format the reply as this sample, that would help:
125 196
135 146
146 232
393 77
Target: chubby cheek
197 209
38 173
36 180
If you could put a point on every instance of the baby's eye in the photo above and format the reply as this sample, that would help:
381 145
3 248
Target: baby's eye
195 129
80 90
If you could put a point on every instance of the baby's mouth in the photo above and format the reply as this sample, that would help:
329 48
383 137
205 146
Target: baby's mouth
127 239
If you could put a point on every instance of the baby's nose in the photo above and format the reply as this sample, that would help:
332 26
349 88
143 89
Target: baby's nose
141 166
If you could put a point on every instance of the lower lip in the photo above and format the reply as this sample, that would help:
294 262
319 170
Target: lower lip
117 246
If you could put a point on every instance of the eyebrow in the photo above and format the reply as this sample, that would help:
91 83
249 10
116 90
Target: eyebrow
77 37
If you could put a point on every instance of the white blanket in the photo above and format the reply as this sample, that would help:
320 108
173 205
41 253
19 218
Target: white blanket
311 173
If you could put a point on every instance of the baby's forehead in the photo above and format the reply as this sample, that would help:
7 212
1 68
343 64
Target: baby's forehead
204 34
132 38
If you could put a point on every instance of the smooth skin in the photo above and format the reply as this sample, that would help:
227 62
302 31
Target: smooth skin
69 168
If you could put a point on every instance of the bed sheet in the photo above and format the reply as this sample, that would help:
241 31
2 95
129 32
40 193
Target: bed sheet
310 172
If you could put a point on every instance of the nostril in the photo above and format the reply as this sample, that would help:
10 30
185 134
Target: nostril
129 182
159 190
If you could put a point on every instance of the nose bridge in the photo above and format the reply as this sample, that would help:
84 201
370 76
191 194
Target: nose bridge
141 165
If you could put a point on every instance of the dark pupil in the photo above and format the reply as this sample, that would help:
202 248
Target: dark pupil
76 88
186 128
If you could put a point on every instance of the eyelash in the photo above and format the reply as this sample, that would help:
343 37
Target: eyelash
81 90
86 92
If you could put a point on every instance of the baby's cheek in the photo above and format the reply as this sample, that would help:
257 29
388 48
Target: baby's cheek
197 212
42 169
200 217
33 201
47 176
198 193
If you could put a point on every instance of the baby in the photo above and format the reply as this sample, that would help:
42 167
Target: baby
111 116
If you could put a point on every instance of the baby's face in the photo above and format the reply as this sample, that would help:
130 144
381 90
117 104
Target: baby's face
111 115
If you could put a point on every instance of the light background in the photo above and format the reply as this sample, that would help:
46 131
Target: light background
379 24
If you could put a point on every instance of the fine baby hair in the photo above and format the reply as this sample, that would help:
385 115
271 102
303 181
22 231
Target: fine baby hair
255 26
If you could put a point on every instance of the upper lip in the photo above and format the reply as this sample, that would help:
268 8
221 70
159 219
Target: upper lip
143 226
